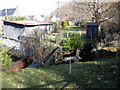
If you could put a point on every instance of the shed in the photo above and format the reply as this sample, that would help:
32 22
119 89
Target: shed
92 30
19 32
14 29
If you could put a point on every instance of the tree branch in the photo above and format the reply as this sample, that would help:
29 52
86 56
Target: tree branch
106 19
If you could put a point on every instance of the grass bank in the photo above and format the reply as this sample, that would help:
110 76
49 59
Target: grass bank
102 73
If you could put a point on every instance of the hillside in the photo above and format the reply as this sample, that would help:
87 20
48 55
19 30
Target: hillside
102 73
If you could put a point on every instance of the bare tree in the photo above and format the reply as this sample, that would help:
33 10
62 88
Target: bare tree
40 45
73 10
100 11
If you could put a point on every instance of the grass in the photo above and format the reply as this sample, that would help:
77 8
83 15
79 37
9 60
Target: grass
102 73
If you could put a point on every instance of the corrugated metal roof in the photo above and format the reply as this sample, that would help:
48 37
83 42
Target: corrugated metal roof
29 22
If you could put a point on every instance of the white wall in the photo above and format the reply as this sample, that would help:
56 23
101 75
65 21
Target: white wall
1 22
30 30
12 32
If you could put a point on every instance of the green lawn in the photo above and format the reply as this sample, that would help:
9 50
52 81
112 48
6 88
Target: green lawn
102 73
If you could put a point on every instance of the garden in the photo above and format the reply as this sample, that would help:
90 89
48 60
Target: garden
77 46
101 73
91 71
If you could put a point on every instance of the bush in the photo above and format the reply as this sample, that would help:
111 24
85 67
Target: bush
41 47
20 18
72 42
65 23
5 59
87 53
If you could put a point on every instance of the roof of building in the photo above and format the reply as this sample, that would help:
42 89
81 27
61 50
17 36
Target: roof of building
29 23
7 12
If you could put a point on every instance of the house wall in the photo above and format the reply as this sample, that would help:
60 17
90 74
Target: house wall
49 28
1 23
15 30
12 32
30 30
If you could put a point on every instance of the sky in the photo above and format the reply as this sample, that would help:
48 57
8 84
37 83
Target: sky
35 7
32 7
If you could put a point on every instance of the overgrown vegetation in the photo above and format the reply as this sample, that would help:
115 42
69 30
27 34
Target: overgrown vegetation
40 45
5 59
65 23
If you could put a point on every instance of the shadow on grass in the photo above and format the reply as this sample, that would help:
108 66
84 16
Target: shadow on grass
96 74
90 74
41 86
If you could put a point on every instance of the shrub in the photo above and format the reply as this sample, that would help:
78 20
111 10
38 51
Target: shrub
87 53
5 59
20 18
40 46
72 42
65 23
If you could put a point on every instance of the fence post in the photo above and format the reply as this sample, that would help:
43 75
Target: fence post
70 66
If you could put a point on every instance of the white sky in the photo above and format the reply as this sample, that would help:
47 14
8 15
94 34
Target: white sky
31 7
34 7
